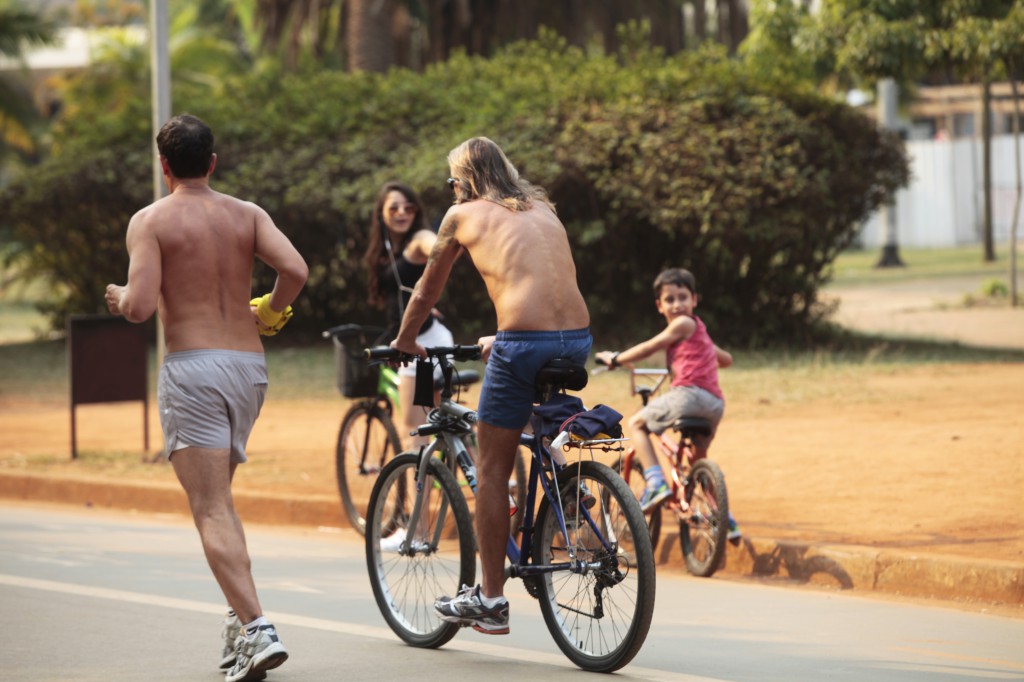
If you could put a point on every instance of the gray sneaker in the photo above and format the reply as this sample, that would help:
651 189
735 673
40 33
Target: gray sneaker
466 608
255 654
569 497
232 627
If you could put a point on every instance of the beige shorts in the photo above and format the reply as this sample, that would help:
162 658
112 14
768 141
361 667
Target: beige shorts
210 399
683 401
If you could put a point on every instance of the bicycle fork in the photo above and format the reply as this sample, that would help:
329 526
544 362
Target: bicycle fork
424 484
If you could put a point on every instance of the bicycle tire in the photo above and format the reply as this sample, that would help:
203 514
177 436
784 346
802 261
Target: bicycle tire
367 439
704 532
405 586
634 478
600 617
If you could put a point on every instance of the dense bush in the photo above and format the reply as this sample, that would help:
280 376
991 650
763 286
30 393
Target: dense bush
652 162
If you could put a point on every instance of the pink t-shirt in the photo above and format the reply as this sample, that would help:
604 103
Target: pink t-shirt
693 361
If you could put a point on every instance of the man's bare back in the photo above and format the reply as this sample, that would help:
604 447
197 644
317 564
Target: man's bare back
525 261
192 256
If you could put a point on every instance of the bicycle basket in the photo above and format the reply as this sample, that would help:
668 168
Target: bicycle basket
356 377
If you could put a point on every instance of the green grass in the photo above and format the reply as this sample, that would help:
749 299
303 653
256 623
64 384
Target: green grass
20 321
38 370
858 266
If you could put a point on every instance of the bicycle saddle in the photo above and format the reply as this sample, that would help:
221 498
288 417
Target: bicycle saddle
562 373
693 425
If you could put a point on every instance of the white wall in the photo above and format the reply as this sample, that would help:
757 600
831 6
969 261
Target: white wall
943 206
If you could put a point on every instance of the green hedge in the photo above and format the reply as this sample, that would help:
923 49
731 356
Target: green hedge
652 162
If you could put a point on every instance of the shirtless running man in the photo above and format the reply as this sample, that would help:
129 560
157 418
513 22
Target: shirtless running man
190 259
518 244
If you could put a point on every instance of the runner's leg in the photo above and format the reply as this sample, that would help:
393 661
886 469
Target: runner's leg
206 475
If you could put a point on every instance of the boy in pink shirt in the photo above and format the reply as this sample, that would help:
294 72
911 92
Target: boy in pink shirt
693 360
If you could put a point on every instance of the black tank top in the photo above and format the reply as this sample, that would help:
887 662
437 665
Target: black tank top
408 274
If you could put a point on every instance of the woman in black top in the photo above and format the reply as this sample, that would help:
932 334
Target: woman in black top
400 242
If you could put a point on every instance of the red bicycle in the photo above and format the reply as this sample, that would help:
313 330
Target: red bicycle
699 499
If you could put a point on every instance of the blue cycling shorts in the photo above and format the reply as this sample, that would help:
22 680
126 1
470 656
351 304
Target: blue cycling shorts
506 399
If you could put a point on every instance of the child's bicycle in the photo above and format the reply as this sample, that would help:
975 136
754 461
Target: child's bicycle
591 567
699 499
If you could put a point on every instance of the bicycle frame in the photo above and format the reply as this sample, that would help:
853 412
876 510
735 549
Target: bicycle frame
452 422
457 426
387 386
676 452
541 462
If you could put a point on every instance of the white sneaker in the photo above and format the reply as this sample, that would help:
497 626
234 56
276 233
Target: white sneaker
392 544
232 627
255 654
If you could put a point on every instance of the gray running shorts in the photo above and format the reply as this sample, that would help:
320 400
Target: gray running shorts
210 399
683 401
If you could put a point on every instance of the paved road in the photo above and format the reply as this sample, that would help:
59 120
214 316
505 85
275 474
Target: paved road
91 595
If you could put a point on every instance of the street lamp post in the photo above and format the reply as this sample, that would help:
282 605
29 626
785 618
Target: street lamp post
160 79
887 101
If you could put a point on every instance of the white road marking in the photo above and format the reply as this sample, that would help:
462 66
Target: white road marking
474 647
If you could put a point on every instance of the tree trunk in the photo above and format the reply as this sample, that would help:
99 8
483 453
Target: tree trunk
700 20
368 34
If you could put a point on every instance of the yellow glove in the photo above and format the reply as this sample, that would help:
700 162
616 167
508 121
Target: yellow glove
271 321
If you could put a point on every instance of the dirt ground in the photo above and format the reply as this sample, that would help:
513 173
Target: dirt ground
922 459
929 459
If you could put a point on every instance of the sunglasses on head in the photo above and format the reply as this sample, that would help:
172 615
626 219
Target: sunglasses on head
451 183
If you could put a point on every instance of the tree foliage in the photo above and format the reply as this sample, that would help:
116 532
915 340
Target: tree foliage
653 162
20 28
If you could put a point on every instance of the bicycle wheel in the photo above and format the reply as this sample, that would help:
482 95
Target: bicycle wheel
442 558
634 478
598 616
366 441
704 532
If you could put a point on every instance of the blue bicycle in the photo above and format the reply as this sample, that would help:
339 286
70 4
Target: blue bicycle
591 567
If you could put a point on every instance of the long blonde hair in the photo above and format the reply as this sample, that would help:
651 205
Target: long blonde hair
484 172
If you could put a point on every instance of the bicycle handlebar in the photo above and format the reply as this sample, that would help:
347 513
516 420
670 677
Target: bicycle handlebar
457 353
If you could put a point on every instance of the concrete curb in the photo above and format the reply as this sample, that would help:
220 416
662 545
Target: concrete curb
845 567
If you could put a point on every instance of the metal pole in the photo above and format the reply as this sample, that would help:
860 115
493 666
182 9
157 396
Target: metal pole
161 97
887 100
160 79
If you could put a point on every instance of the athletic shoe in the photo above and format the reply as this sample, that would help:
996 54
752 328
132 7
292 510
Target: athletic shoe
392 544
653 494
735 535
466 608
586 498
257 653
229 633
